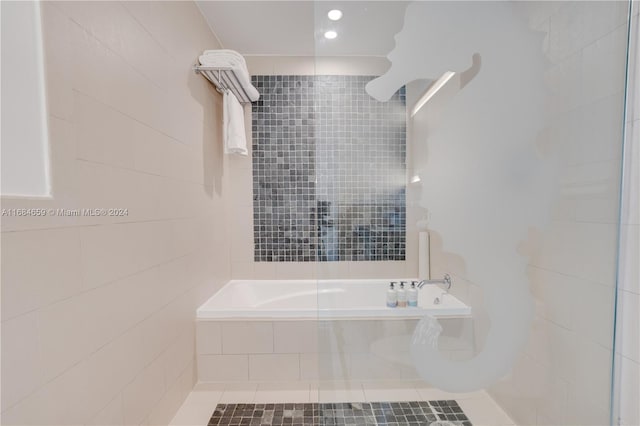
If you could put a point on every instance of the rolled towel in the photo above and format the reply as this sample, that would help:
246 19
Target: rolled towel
233 132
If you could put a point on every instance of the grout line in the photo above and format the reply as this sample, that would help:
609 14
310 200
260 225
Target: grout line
88 225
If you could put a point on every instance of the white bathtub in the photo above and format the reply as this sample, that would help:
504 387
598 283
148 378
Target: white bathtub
322 299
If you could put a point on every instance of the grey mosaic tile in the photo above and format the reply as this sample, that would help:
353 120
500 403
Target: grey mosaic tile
328 170
414 413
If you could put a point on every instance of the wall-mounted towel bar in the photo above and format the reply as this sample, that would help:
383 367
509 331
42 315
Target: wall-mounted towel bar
225 79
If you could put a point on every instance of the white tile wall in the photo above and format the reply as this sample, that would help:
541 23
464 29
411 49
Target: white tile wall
208 337
390 391
628 346
22 367
296 392
563 376
26 288
319 350
217 368
274 367
295 337
98 312
247 337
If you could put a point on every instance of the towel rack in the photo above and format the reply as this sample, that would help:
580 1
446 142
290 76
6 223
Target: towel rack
224 79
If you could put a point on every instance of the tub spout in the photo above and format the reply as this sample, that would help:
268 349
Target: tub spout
446 281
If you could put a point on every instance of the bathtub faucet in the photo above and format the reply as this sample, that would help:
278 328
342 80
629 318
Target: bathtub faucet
446 281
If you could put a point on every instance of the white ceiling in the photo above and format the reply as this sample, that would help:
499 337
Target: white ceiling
297 28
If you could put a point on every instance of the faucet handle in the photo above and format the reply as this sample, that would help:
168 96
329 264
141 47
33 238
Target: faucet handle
415 282
447 281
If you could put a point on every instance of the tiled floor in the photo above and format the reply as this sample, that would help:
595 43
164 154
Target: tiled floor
413 413
199 405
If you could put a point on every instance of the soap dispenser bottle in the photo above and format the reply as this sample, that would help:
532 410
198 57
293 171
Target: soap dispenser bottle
402 296
412 295
392 296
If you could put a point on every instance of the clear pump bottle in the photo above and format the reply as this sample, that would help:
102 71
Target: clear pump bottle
392 296
402 296
412 295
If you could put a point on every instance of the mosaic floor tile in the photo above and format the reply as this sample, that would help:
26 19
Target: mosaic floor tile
414 413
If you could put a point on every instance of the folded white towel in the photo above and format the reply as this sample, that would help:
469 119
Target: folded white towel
235 61
227 53
233 132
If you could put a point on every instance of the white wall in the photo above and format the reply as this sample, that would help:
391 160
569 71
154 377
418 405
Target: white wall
25 145
628 333
98 312
563 376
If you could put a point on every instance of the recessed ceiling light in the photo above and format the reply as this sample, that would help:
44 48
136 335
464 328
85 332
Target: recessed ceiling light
330 35
335 14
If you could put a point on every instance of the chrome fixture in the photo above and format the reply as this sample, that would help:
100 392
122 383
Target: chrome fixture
446 281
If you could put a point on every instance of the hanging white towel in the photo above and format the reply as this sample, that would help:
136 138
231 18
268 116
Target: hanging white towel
233 132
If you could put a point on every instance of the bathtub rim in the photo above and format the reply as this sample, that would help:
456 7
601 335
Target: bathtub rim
407 313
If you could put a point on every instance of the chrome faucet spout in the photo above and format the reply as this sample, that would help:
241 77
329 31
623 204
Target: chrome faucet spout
446 281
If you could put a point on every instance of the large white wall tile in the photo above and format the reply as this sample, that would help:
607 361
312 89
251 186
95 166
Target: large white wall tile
179 358
113 366
295 336
60 401
103 134
366 366
631 182
630 392
26 287
21 365
604 65
554 294
630 252
63 335
115 251
139 397
566 29
594 323
170 403
583 250
628 343
117 29
247 337
110 415
274 367
208 337
602 17
309 366
220 368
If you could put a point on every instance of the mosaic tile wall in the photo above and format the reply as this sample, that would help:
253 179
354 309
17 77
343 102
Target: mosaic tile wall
328 170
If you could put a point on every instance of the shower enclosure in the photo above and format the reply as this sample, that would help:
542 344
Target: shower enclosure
496 127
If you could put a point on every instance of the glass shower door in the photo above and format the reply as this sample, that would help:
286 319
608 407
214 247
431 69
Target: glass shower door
480 140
